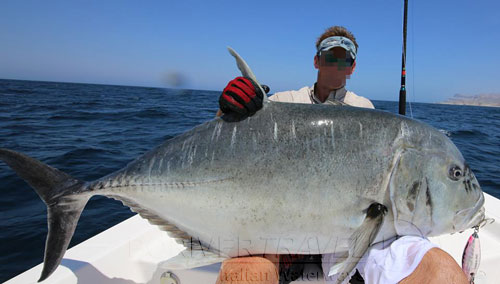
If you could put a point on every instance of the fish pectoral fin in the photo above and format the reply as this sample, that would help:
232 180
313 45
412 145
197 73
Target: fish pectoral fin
361 239
337 267
188 258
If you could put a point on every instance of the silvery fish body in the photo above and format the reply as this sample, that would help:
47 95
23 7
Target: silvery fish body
293 178
295 175
296 178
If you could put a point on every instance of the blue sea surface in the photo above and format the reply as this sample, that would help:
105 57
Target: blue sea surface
89 131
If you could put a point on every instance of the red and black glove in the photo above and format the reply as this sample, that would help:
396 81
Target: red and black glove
241 97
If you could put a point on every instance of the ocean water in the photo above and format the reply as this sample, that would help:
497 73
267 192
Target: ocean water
89 131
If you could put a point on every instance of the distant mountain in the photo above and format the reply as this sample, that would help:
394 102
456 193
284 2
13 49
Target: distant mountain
475 100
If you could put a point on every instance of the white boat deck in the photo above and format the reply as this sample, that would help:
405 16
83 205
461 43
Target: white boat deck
130 252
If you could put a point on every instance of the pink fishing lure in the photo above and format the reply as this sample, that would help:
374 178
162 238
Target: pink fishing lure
471 256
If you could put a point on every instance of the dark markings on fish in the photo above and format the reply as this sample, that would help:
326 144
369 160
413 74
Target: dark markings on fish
428 200
466 169
375 210
412 195
466 185
410 205
468 177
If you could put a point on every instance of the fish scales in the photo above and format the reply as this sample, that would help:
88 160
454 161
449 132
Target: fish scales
289 185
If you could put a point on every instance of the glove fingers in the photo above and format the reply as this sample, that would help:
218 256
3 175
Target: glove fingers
228 104
236 92
258 92
239 98
251 107
243 90
242 96
254 105
246 86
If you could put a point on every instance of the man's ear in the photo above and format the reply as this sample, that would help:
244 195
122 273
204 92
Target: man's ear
316 61
352 68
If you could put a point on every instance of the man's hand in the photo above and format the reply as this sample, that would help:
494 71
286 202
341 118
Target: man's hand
242 97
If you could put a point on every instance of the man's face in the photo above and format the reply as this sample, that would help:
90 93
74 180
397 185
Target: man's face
335 66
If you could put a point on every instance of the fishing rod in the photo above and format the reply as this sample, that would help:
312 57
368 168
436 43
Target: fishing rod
402 91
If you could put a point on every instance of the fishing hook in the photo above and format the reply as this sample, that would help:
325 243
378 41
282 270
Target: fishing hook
484 222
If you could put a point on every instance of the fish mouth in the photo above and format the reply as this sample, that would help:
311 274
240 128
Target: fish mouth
470 217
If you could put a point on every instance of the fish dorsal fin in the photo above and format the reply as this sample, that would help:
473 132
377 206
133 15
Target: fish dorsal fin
245 70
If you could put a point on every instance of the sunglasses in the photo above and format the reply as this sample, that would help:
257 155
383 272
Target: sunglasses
329 58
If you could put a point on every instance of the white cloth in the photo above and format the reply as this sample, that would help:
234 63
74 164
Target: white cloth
306 95
386 262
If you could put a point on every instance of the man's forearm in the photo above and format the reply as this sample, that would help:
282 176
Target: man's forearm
437 266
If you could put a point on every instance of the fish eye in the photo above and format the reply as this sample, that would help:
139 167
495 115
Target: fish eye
455 173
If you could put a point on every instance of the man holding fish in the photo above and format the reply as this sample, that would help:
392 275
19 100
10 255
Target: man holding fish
407 259
365 186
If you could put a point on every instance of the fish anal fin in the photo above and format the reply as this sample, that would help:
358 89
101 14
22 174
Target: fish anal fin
196 253
180 236
362 238
192 258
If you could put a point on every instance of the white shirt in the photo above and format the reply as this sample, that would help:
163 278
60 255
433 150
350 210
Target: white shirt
306 95
385 262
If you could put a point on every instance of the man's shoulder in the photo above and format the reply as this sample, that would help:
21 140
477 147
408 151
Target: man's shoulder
358 101
301 95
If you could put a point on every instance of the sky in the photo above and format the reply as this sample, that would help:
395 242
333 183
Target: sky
453 46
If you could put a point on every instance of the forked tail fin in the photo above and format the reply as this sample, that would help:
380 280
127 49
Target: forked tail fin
65 197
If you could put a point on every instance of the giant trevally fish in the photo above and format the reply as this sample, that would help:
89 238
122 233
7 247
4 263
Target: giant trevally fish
293 178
